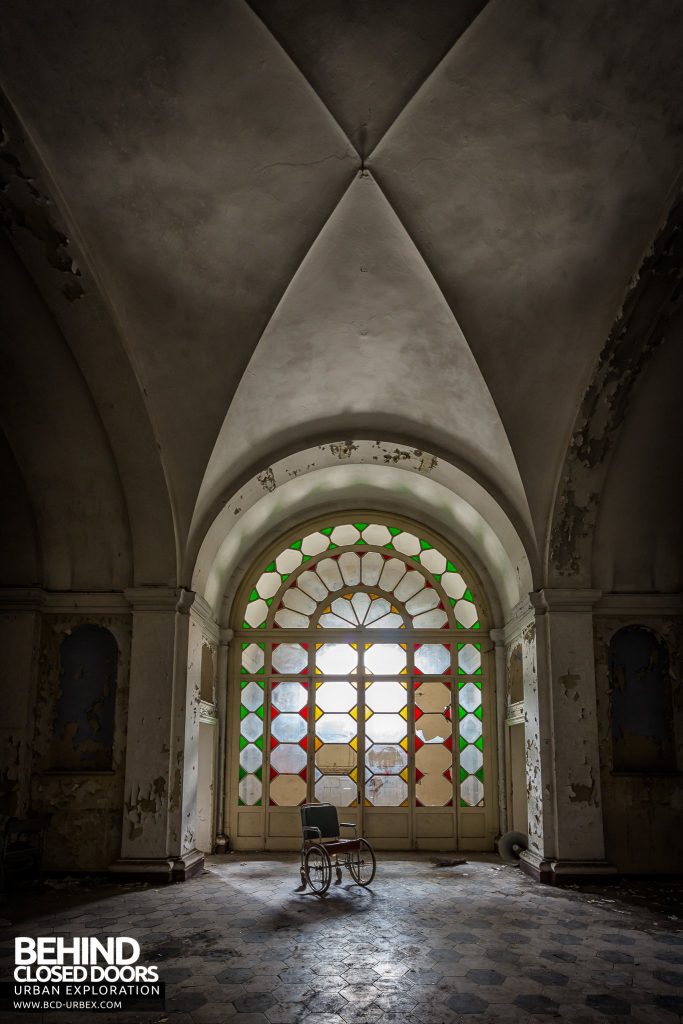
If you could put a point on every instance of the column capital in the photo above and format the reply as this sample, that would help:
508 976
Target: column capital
226 637
498 637
551 599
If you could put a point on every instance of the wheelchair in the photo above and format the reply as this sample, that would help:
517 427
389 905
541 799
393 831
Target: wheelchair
322 842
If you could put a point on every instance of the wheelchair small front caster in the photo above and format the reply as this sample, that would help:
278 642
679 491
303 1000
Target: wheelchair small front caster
339 876
303 879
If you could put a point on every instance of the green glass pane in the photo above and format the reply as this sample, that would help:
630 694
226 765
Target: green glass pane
463 741
245 625
254 596
479 744
359 542
463 803
269 601
259 742
390 547
270 567
463 774
243 711
425 545
450 567
242 772
243 742
476 626
467 596
241 803
306 558
479 774
394 531
360 526
259 712
258 772
461 713
296 545
478 712
327 531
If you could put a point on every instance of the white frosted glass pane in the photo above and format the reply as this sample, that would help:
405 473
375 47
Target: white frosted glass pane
253 657
470 697
386 790
288 758
434 619
335 695
289 560
288 619
312 585
344 535
471 790
342 607
376 534
251 757
328 571
393 571
471 759
406 543
385 659
386 696
268 584
386 728
251 727
453 584
288 728
330 621
433 560
349 564
410 585
255 613
336 659
391 621
361 604
470 728
469 659
289 696
466 613
371 566
315 543
298 601
432 659
339 790
378 608
422 602
252 696
250 790
336 728
289 657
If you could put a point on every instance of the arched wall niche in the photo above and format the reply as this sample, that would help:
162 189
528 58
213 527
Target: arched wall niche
372 475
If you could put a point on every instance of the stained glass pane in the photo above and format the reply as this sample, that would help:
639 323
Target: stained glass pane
385 728
406 543
288 560
472 791
433 743
252 727
386 758
312 585
349 565
256 613
288 619
466 613
361 605
433 561
377 535
422 602
250 790
433 698
410 585
336 741
345 535
432 659
386 743
253 657
315 543
268 584
377 610
290 658
469 659
252 696
453 584
344 609
371 567
392 572
385 696
328 620
391 621
470 728
251 742
336 659
434 619
328 571
385 790
470 697
251 758
298 601
288 730
385 659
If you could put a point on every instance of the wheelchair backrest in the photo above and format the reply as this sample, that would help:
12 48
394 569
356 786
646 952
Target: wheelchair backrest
322 816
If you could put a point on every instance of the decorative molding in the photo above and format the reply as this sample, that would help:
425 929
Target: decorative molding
551 599
640 605
154 599
63 601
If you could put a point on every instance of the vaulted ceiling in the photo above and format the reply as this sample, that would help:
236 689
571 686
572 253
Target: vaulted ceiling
235 231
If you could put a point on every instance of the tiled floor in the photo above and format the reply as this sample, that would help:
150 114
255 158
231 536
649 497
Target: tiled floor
425 945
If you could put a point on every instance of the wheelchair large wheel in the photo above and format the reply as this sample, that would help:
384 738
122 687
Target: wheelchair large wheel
362 863
318 869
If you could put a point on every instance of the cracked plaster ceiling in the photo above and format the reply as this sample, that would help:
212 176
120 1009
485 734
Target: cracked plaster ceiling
250 291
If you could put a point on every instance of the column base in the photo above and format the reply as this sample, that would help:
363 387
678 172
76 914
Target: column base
566 872
159 869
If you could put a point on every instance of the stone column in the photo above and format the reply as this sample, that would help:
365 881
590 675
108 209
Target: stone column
222 840
20 644
571 845
157 839
498 638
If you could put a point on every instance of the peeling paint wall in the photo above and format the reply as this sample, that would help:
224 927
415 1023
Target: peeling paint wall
85 831
643 810
532 739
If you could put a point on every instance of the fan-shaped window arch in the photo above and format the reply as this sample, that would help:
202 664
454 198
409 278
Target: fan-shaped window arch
363 681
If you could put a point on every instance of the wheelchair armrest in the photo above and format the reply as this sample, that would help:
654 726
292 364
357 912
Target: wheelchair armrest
312 828
348 824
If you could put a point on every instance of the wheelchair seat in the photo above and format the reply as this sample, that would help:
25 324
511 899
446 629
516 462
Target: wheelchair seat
322 839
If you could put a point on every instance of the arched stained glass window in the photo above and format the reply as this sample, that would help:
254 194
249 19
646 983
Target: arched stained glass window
363 680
